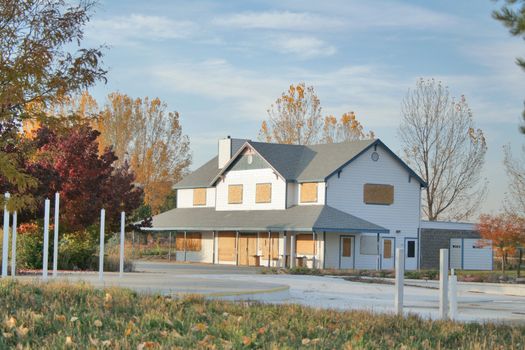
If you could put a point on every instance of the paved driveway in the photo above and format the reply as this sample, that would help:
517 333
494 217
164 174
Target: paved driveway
233 282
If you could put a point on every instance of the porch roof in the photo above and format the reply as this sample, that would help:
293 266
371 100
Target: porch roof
303 218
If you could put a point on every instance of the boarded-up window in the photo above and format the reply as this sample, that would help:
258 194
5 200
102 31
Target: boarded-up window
235 194
309 192
347 247
378 194
199 196
368 245
304 244
263 193
387 249
269 247
192 243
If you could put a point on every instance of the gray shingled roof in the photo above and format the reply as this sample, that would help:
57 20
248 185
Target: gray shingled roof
299 163
297 218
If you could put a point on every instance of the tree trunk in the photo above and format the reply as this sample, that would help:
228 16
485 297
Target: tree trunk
503 262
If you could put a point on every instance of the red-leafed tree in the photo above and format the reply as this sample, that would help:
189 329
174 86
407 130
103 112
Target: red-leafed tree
68 161
506 231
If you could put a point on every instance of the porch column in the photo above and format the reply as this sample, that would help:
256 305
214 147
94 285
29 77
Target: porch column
269 247
236 247
378 254
213 254
292 249
315 249
185 242
324 249
283 264
169 247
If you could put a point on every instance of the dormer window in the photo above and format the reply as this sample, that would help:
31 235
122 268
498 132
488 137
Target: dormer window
199 197
235 194
309 192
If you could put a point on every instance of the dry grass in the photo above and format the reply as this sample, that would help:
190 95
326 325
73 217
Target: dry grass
58 315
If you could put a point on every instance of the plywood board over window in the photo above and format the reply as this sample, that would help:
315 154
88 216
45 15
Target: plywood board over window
304 244
263 193
192 243
269 246
199 196
309 192
235 194
378 194
387 248
347 247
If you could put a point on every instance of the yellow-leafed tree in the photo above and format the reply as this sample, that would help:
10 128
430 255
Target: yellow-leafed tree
144 133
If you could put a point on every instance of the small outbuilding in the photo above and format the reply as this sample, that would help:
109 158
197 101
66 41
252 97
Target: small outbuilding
468 251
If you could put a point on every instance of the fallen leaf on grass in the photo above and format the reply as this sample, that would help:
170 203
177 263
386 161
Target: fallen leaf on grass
10 323
108 298
69 341
7 335
73 319
106 343
60 318
305 341
147 345
97 323
246 340
200 327
22 331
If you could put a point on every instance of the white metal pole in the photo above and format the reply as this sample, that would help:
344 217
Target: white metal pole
13 246
453 296
5 242
55 237
46 239
122 225
284 250
400 280
101 252
443 283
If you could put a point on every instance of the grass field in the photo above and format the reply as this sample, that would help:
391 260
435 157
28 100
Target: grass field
58 315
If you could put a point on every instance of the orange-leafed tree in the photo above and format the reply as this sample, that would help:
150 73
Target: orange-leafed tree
505 231
346 128
145 133
294 118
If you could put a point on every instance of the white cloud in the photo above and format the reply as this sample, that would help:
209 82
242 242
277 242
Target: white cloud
128 30
283 20
304 46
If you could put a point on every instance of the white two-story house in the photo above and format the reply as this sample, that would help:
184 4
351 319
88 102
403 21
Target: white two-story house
343 205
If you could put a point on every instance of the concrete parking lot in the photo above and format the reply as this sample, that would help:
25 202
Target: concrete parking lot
231 282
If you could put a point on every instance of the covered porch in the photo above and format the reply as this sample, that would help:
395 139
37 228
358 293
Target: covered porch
309 236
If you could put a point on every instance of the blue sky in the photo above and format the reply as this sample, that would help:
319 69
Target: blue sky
222 63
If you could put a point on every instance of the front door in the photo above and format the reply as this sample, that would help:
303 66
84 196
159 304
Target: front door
387 253
247 249
226 246
346 252
411 253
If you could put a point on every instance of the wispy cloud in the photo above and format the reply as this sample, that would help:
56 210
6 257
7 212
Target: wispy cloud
282 20
131 29
304 46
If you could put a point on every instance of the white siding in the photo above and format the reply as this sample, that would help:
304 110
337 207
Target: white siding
346 194
185 198
206 253
333 251
321 189
291 193
470 254
249 178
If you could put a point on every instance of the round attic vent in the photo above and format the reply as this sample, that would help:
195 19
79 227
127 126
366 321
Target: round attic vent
250 158
375 156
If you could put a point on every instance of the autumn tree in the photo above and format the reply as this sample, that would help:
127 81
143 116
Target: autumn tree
506 231
440 141
512 15
41 60
68 161
347 128
295 118
151 138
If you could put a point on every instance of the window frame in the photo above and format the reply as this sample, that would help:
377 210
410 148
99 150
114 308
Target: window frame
257 186
301 194
230 187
